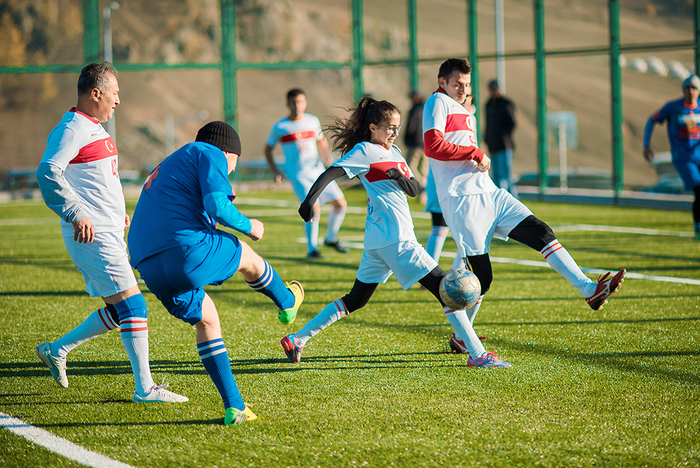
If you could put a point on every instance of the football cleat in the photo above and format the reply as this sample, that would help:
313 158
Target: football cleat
291 349
57 366
487 360
159 394
458 346
337 246
287 316
234 416
606 287
314 255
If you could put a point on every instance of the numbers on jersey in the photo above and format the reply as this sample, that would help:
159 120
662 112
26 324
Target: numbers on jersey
151 177
115 168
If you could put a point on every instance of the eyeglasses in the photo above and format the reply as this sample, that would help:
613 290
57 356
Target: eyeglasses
393 130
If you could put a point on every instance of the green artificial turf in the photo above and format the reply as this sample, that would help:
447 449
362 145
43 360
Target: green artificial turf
616 387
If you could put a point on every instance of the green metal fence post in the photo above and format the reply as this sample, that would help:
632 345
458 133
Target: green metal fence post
618 151
414 78
541 83
91 31
228 59
473 38
358 52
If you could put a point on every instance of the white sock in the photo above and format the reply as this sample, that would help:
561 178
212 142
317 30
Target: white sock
335 220
311 229
471 312
458 262
135 340
564 264
329 315
97 323
436 241
464 331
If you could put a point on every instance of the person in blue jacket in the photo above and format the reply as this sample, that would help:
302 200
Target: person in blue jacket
682 117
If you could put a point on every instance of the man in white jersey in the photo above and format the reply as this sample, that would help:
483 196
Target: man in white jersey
474 208
303 144
79 180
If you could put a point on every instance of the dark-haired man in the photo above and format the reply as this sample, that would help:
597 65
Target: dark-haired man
79 180
304 145
474 208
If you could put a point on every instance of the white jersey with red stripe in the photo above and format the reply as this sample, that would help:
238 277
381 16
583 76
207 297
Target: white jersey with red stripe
458 126
298 140
389 218
79 176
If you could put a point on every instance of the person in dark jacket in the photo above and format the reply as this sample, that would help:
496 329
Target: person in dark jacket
500 123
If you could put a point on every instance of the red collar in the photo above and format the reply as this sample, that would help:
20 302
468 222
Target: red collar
440 90
73 109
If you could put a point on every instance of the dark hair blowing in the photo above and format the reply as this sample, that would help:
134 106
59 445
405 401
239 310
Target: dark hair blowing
452 65
346 133
294 93
95 75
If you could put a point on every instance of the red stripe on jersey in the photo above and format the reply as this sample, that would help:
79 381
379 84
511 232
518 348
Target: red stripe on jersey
689 133
95 151
457 122
296 136
377 171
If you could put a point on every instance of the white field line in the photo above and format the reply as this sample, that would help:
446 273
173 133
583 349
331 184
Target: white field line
623 230
21 222
58 445
540 264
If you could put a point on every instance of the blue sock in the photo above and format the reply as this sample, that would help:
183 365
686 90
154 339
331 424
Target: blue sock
215 359
272 286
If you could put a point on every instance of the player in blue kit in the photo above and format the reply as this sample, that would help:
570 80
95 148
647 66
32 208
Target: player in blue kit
175 245
366 141
682 118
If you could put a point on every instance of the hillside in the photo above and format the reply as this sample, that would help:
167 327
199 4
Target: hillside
48 31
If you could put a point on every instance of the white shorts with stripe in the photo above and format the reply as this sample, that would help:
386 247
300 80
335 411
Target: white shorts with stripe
407 260
475 219
104 263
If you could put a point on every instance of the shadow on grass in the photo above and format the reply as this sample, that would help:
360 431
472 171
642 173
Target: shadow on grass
189 422
44 293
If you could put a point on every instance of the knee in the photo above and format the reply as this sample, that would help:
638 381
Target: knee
133 306
359 296
480 265
340 204
251 265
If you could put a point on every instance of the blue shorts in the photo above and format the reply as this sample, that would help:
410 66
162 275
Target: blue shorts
689 170
177 276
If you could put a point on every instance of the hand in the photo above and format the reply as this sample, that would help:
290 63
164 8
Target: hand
648 154
393 173
278 178
485 164
257 230
306 212
127 222
84 231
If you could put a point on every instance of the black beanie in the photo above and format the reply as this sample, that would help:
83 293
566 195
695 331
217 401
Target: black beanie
221 135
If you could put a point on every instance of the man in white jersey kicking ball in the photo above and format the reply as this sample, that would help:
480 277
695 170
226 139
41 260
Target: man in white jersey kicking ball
79 180
474 208
303 144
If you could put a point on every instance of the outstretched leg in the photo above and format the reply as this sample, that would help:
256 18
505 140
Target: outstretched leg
357 298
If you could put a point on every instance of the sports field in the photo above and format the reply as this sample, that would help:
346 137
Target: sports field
616 387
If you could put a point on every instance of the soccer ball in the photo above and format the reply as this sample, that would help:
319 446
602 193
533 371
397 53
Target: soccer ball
460 289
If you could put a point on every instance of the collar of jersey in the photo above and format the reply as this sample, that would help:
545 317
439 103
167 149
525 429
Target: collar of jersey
73 109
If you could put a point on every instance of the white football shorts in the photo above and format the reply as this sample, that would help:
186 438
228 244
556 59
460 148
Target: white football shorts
407 260
475 219
303 180
104 263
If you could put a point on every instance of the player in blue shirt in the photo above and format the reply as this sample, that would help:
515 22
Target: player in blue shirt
682 118
175 245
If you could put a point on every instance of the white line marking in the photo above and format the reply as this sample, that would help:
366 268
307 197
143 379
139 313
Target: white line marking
58 445
621 229
24 221
540 264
